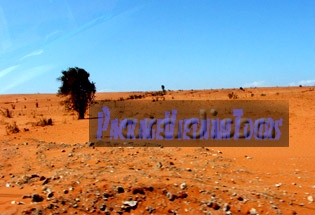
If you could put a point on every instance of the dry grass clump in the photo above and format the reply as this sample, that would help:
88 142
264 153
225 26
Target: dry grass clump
44 122
233 95
6 113
12 128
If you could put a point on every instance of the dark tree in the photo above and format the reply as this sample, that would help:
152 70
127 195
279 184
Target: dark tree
163 88
77 89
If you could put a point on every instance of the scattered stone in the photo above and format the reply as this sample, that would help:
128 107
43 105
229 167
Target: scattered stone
226 207
103 207
50 195
47 180
26 196
278 185
37 198
120 189
240 198
253 211
310 199
150 209
129 205
158 165
138 190
170 196
183 186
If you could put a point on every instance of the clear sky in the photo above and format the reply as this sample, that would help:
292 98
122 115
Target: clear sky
129 45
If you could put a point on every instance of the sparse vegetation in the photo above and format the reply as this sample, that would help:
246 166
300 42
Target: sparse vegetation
44 122
6 113
263 94
12 128
77 89
232 95
163 89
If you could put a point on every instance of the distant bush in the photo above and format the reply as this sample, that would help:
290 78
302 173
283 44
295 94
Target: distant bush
12 128
263 94
44 122
6 113
232 95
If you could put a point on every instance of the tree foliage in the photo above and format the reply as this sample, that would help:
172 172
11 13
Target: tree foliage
77 89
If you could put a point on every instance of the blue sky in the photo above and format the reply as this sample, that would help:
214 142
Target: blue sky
140 45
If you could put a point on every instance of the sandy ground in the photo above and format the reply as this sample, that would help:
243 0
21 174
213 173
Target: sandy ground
54 169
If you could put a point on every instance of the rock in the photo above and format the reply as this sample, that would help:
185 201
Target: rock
138 190
37 198
183 186
50 195
26 196
310 199
278 185
158 165
214 205
170 196
150 209
129 205
253 211
103 207
47 180
240 198
120 189
226 207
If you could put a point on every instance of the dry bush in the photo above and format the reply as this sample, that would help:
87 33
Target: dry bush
44 122
233 95
12 128
6 113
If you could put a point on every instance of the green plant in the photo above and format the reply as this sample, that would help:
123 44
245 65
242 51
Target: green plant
77 89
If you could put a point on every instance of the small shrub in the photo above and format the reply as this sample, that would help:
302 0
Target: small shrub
13 106
12 128
263 94
44 122
36 104
7 113
232 95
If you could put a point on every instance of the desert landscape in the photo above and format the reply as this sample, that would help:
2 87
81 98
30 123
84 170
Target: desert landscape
49 166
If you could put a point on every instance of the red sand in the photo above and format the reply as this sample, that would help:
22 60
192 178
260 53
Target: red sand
218 180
